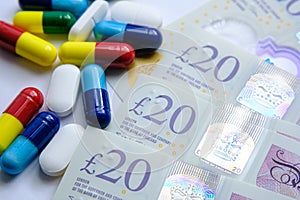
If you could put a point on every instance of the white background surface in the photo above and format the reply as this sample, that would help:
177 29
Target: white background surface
17 73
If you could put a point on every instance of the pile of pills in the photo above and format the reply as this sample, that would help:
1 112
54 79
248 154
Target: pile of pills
24 131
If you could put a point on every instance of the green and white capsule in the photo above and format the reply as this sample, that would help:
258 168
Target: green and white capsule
47 22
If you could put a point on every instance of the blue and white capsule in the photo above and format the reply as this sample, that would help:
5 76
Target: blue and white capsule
95 96
30 143
144 40
77 7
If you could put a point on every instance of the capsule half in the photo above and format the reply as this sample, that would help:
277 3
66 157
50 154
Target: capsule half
112 54
47 22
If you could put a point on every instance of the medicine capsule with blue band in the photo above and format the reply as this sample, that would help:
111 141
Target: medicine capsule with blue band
144 40
30 143
47 22
77 7
95 96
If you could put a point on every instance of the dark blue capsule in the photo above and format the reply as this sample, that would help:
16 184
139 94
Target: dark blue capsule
144 40
95 96
30 143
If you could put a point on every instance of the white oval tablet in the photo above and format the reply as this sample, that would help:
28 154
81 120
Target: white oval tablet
63 89
135 13
83 27
55 158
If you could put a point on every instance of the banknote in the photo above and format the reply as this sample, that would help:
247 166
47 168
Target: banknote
237 22
185 181
107 167
268 29
275 166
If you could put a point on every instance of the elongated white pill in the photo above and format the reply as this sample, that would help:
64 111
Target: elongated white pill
136 13
55 158
63 89
83 27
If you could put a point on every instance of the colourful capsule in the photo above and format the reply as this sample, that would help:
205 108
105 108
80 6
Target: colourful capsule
143 39
18 114
112 54
77 7
95 96
25 44
48 22
30 143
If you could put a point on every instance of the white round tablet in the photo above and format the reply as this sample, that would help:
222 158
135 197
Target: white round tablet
55 158
83 27
63 89
136 13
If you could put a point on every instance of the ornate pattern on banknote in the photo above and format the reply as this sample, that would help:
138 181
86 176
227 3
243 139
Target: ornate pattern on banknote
280 172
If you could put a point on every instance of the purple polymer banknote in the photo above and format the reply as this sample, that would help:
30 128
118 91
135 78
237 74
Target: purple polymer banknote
280 172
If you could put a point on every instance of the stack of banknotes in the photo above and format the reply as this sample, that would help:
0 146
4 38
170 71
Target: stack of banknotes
213 114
